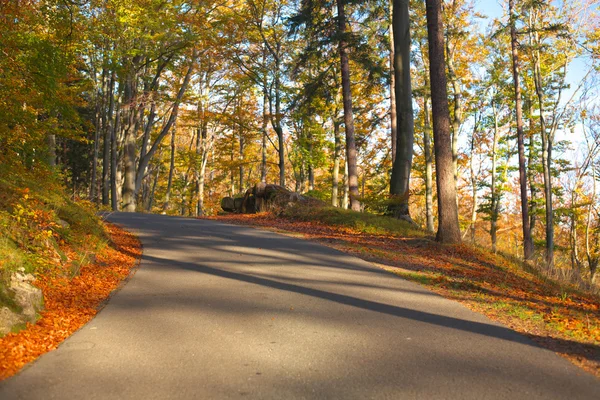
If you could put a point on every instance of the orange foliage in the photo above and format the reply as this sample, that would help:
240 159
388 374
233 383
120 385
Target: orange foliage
70 303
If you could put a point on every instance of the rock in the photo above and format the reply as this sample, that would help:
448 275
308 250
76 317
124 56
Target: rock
237 203
28 297
227 204
63 224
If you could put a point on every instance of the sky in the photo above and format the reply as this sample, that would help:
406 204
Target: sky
576 71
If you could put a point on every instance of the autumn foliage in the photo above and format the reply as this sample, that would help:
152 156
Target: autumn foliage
70 303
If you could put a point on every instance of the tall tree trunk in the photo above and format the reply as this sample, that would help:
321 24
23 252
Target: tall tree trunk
546 157
458 110
348 116
474 185
400 179
171 170
393 118
531 177
494 208
448 228
114 158
346 194
100 123
527 237
108 131
335 175
428 166
263 164
129 149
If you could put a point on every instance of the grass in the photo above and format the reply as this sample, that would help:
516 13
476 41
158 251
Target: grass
359 222
556 315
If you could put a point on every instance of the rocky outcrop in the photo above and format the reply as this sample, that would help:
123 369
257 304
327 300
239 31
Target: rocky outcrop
263 197
28 299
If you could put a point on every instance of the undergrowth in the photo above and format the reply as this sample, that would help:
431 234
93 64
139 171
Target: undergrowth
41 228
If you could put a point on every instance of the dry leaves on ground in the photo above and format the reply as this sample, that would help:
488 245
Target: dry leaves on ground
70 303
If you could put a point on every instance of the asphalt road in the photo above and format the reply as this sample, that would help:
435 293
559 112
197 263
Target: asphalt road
225 312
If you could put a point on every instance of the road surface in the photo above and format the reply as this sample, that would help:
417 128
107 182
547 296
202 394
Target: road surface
226 312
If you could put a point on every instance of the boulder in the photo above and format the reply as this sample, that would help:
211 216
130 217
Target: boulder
27 297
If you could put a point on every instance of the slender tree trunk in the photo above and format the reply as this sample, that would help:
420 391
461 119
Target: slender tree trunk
428 166
474 185
171 170
108 131
351 155
100 123
494 190
346 194
153 191
114 158
400 179
546 162
263 165
448 228
458 111
393 118
531 178
335 175
527 237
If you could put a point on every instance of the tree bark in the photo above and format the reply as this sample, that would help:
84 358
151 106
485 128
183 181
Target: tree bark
335 175
393 118
448 228
171 170
351 155
428 167
526 226
108 131
400 179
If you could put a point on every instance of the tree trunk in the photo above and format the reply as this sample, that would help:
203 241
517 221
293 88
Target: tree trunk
494 197
108 131
400 179
114 158
346 194
129 149
348 116
473 181
527 237
263 164
448 228
171 170
546 160
428 167
335 175
393 118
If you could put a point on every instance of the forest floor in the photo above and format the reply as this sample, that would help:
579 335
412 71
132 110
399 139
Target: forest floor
70 301
555 316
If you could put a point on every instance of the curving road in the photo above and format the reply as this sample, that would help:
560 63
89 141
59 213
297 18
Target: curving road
219 311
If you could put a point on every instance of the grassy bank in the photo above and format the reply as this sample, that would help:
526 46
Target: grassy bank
556 316
42 230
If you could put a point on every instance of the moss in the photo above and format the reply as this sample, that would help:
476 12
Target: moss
361 222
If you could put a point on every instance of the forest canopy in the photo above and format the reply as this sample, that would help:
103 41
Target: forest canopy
387 107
